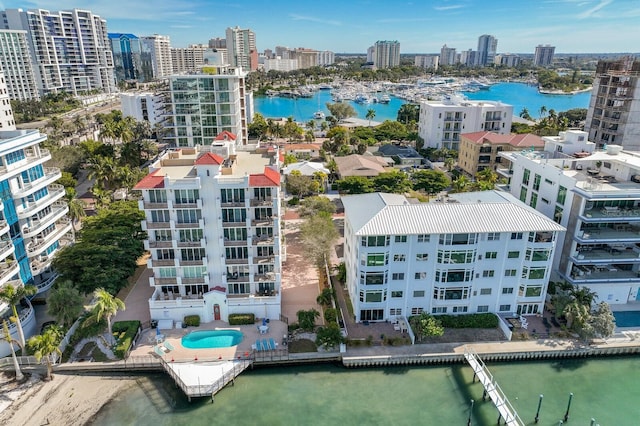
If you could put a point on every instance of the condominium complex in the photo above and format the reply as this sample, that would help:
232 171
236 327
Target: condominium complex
387 54
159 48
543 56
241 48
15 61
613 116
306 58
279 64
143 106
33 221
70 50
427 62
447 55
403 259
131 58
203 106
325 57
188 59
212 215
595 194
487 48
442 122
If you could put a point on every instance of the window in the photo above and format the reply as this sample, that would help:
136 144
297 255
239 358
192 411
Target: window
396 294
401 239
439 310
397 276
483 308
157 196
504 308
377 259
423 238
539 255
533 273
507 290
534 200
557 214
375 241
235 234
457 239
399 257
549 182
239 288
454 275
493 236
485 291
395 312
160 216
422 257
491 255
375 296
525 177
458 256
510 272
187 196
373 278
420 275
523 194
530 291
459 309
451 293
562 195
163 235
416 311
536 182
190 235
188 215
487 274
418 293
513 254
371 314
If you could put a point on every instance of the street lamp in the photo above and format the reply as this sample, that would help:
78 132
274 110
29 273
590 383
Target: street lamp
539 405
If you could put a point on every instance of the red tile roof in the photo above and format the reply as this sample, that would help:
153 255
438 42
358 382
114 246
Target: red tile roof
516 140
209 159
151 181
220 289
269 178
226 136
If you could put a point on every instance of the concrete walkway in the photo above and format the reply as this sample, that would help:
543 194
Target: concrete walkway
137 301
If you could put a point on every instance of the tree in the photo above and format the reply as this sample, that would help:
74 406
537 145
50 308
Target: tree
449 162
355 185
394 181
325 297
11 341
341 110
318 234
525 114
543 110
76 211
430 181
461 184
408 113
577 315
425 325
330 336
45 345
12 295
312 206
391 130
602 321
307 319
105 307
65 303
290 159
299 185
371 113
486 179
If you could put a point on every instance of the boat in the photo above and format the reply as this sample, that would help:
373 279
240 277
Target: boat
384 99
318 115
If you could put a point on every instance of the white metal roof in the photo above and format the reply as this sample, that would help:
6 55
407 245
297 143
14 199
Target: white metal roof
390 214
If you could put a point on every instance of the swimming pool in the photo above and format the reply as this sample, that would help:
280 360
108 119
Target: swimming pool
627 318
211 339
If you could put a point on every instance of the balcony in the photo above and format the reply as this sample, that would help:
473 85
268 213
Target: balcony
198 224
234 224
237 278
46 284
37 245
154 206
162 262
56 192
38 225
259 260
262 240
4 226
8 270
617 253
269 276
194 243
31 158
610 214
160 244
51 174
244 261
601 273
6 248
233 203
193 262
508 173
255 202
234 243
262 221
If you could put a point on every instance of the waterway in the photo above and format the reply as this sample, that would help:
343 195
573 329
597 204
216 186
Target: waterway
606 389
517 94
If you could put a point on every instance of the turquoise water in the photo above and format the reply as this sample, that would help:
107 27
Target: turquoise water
517 94
606 389
211 339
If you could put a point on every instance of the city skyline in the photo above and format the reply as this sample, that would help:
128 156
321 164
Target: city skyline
573 26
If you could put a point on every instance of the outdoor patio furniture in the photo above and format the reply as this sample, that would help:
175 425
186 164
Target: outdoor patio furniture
168 346
272 344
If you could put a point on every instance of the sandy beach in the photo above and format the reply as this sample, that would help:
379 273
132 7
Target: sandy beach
66 400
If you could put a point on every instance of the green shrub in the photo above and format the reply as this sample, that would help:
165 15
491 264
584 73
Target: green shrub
294 201
126 330
293 327
330 315
485 320
192 320
241 319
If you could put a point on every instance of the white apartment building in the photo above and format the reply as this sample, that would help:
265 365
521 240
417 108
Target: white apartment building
427 61
543 55
441 122
203 106
387 54
487 48
70 49
159 47
447 55
403 259
143 106
595 194
15 61
188 59
241 45
279 64
213 215
325 57
7 120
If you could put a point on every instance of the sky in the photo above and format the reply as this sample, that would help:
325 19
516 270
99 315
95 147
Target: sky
351 26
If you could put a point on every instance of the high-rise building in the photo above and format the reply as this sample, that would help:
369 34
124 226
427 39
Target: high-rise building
212 215
427 62
544 55
15 61
159 51
306 58
7 120
203 106
129 59
487 48
468 57
70 49
387 54
241 45
326 57
447 55
442 122
218 43
507 59
404 259
613 116
188 59
143 106
371 54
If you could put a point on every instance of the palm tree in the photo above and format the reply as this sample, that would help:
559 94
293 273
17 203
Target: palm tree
525 114
11 341
461 184
325 297
46 344
64 303
103 170
449 162
371 113
76 213
105 307
13 295
543 110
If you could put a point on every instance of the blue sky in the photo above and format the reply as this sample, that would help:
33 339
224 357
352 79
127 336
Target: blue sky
421 26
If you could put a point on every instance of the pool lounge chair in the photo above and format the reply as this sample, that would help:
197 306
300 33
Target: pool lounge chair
168 346
158 350
273 344
265 345
257 345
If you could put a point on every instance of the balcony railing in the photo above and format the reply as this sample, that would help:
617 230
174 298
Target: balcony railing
261 201
37 225
51 174
55 193
6 248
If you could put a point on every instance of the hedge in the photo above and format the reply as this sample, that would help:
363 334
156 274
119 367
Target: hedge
192 320
124 332
242 319
485 320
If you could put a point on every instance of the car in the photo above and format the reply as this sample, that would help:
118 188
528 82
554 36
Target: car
45 325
